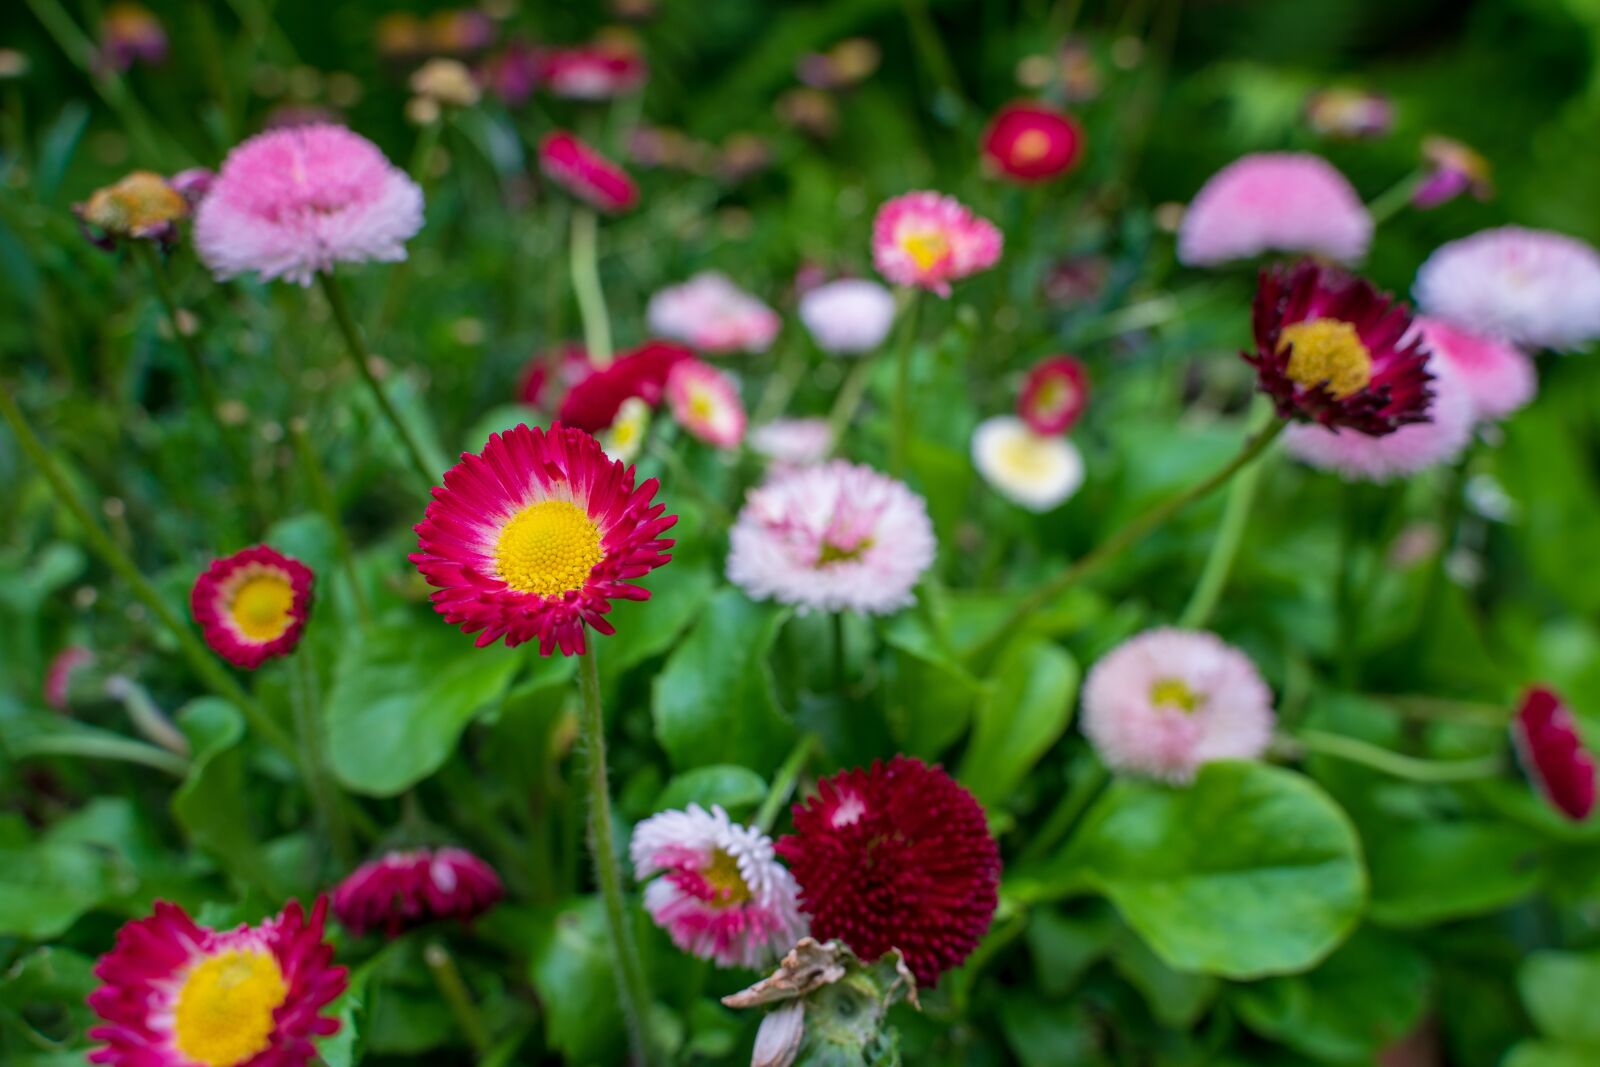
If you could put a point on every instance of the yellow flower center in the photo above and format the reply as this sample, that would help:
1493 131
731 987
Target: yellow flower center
1327 351
1030 147
548 548
1055 395
702 405
1024 456
261 606
1174 693
722 875
926 247
224 1013
832 553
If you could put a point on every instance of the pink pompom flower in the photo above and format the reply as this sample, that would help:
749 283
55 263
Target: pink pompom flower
1054 394
586 174
1499 377
401 890
850 316
1274 202
832 537
1167 700
1553 755
534 537
291 202
1028 142
714 315
252 606
176 994
928 240
705 401
721 894
593 72
1530 287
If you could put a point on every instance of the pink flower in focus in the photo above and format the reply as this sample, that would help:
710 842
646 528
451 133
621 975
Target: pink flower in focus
1499 377
1553 755
1274 202
928 240
252 606
705 401
58 675
714 315
593 72
586 174
401 890
292 202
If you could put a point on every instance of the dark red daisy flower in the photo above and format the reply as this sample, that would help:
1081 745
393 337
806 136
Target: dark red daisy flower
591 404
1333 350
1552 753
1053 395
400 890
1030 142
897 855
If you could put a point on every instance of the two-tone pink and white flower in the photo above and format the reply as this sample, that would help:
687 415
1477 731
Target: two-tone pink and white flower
714 315
927 240
705 401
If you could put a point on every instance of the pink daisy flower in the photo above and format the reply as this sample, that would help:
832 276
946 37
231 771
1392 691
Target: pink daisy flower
1552 753
401 890
58 675
1530 287
291 202
252 606
1029 142
787 444
1274 202
711 313
849 316
705 401
721 894
928 240
176 994
1166 701
833 537
1499 377
586 174
1054 394
532 539
593 72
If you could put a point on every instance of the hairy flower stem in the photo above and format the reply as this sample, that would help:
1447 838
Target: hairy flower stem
632 990
901 443
585 265
111 554
447 977
1113 546
783 782
357 349
1225 546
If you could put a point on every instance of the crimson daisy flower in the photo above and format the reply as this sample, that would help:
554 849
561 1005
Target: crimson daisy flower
400 890
593 401
252 606
535 536
1029 142
1053 395
1553 754
177 994
1333 350
896 855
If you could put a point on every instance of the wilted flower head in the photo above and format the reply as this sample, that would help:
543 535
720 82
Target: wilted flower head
130 33
790 443
1274 202
896 856
721 894
1054 395
1452 169
401 890
1499 377
59 674
289 203
593 401
1333 350
1166 701
1349 114
141 206
585 173
849 316
445 81
534 537
1035 470
847 63
176 994
1030 142
1553 754
714 315
832 537
600 71
705 401
1530 287
927 240
252 606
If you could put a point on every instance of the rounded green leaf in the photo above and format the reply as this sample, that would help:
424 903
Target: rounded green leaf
1024 713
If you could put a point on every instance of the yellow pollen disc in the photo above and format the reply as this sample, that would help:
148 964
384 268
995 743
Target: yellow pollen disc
832 553
1030 147
224 1012
1174 693
1056 394
722 874
925 248
548 548
261 606
702 404
1025 455
1327 351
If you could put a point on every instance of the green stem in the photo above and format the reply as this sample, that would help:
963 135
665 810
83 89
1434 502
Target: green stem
309 728
1347 608
632 989
838 652
322 496
1074 802
357 348
111 554
849 400
783 782
931 53
901 446
584 261
456 994
1225 546
1455 506
782 384
1393 763
1389 203
1129 535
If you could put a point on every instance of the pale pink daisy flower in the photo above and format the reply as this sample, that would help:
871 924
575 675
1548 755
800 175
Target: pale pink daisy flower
1274 202
1500 377
1530 287
1167 700
721 895
832 537
1414 447
289 203
705 401
790 443
928 240
714 315
849 316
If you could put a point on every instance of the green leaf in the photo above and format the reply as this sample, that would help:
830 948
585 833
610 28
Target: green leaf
645 628
714 699
1430 872
1561 991
400 699
571 967
932 693
48 886
1064 946
1025 712
1043 1035
1176 999
734 788
212 804
1552 1054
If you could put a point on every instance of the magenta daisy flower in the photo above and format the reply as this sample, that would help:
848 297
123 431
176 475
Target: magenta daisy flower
586 174
1274 202
1054 394
534 537
400 890
252 606
896 855
705 401
291 202
1333 350
1029 142
177 994
721 894
1552 753
928 240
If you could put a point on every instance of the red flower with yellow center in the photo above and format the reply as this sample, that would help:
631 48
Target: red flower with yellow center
252 606
1053 395
1029 142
